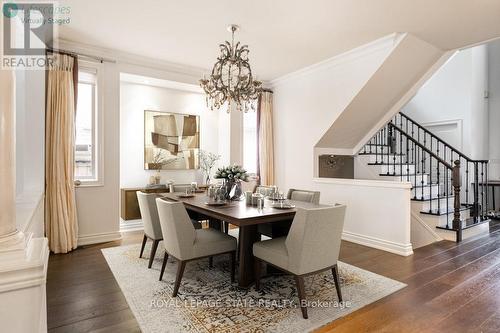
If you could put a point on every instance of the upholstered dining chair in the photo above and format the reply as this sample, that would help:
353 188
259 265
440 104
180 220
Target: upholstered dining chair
185 243
179 187
312 246
151 222
265 190
303 195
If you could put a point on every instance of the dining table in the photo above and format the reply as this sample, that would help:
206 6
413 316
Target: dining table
246 217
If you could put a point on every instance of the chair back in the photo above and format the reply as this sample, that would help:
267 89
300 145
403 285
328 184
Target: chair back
179 187
265 190
303 195
313 242
178 231
149 214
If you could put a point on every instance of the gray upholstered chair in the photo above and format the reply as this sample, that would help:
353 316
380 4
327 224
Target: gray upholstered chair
179 187
151 222
303 195
312 246
183 242
265 190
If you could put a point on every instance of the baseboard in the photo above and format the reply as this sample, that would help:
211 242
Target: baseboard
131 225
99 238
381 244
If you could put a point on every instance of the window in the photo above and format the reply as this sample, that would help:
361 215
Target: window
86 127
250 142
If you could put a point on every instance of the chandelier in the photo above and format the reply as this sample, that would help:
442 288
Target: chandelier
231 82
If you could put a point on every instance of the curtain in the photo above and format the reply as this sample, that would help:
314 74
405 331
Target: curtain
61 225
265 139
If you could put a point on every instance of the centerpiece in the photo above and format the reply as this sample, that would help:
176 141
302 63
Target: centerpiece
232 176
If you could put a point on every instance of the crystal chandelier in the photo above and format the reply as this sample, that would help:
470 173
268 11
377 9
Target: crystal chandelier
231 82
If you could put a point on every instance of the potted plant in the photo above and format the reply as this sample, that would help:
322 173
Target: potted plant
207 162
232 176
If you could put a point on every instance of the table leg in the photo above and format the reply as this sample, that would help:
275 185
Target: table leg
215 224
493 194
247 236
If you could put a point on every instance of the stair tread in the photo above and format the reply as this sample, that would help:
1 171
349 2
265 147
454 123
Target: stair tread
434 198
451 211
469 223
398 175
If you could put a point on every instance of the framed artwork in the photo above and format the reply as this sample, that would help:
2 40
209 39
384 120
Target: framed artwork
171 141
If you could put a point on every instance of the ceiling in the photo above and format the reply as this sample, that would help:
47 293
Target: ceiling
283 35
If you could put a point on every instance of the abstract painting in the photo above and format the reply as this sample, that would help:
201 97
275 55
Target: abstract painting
171 141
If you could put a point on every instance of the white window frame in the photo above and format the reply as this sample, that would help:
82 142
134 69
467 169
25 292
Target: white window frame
97 126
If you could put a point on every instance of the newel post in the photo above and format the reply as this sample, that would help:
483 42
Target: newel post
457 183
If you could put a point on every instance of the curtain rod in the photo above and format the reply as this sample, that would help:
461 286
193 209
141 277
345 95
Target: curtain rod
83 55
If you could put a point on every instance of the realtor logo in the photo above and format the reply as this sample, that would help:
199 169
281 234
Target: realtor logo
27 31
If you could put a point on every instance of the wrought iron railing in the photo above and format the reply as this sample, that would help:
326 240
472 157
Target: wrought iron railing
448 180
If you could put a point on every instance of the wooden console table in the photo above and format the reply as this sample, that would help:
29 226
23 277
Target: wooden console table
129 209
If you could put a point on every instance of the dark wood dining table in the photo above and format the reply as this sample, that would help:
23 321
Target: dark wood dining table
246 218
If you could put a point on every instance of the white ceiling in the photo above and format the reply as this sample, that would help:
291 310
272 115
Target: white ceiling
283 35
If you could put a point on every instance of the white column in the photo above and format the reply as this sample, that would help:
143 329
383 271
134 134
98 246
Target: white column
7 154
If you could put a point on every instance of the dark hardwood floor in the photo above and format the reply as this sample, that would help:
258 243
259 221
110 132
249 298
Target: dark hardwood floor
451 288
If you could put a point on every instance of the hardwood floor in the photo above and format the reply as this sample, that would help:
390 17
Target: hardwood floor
451 287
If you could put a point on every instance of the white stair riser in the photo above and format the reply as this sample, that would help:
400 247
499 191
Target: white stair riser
398 169
425 191
376 149
386 159
412 179
427 205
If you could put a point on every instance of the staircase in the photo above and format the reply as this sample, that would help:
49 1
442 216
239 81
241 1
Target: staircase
449 196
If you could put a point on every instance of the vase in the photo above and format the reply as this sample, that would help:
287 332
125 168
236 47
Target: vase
233 189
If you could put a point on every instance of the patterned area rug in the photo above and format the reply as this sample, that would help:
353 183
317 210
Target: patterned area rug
208 302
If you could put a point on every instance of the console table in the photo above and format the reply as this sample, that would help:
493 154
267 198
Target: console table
129 209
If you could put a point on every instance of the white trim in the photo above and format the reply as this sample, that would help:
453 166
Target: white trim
364 182
131 225
457 122
99 238
162 83
396 248
98 123
341 59
417 217
133 59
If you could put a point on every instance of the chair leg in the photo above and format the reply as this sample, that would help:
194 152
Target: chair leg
226 227
144 240
257 266
299 280
233 264
153 252
165 258
335 272
211 262
180 271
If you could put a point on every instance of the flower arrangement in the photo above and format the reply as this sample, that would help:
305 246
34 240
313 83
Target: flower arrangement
232 173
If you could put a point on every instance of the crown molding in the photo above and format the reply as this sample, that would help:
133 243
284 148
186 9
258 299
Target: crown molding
388 41
122 57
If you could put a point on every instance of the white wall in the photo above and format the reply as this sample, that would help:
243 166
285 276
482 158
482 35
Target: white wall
305 106
134 99
494 108
456 94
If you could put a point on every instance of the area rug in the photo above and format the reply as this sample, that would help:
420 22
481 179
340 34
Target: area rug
208 302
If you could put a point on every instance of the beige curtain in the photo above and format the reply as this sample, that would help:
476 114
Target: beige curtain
266 139
61 225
